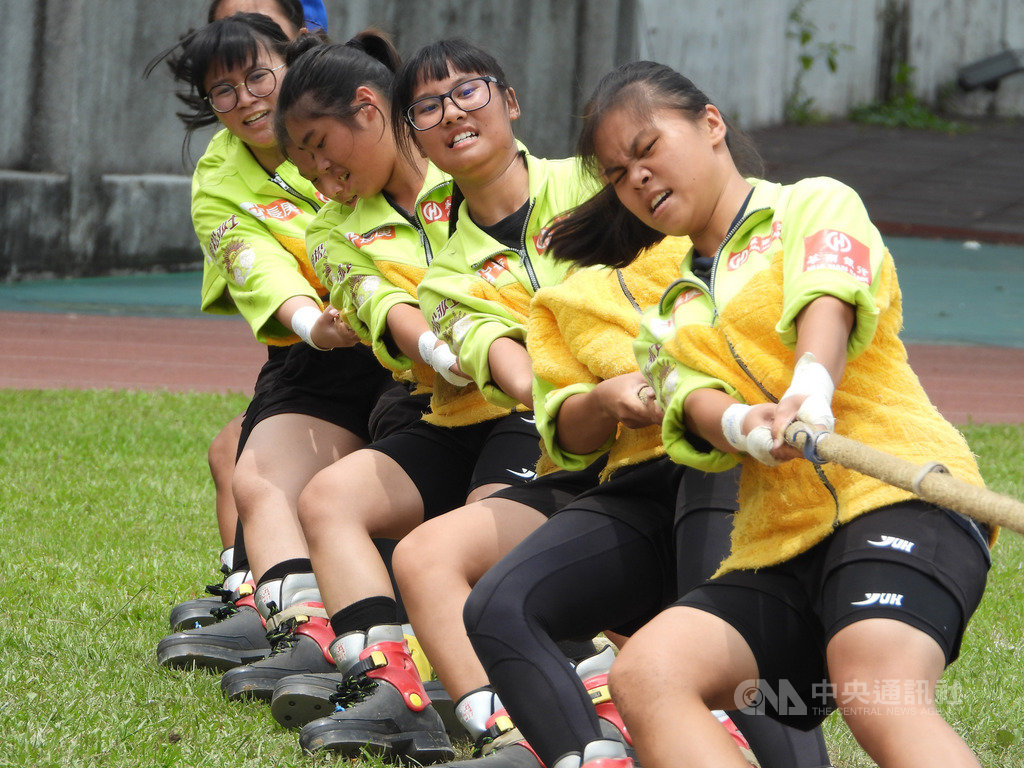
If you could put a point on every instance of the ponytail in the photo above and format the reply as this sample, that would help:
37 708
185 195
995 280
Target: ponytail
323 77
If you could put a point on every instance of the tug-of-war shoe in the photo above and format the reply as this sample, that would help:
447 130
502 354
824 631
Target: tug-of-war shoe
383 707
199 611
298 632
238 637
301 698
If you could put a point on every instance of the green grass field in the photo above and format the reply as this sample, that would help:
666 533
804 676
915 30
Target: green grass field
106 508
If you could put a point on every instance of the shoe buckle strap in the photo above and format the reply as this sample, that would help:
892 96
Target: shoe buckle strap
300 612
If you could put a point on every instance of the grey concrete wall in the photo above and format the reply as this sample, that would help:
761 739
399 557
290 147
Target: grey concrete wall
91 173
739 51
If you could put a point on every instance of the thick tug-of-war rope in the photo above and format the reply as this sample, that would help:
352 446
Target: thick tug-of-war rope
930 481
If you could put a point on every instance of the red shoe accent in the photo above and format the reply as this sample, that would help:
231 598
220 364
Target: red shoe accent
609 762
319 629
499 724
738 737
247 599
597 687
393 663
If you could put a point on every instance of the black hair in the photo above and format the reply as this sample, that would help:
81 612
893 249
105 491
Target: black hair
601 231
323 77
292 10
230 42
437 61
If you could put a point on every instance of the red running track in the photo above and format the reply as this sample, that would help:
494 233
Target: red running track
45 351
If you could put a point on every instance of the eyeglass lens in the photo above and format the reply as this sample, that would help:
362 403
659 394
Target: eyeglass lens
468 96
259 82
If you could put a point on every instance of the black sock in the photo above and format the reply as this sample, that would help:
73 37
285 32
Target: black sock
286 568
365 613
240 560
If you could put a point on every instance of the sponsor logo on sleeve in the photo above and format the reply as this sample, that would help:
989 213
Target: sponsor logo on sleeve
361 241
440 311
222 229
433 212
318 253
239 258
832 249
756 244
282 210
492 269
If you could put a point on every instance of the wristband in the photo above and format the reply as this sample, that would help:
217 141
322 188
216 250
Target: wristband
757 444
302 323
810 378
425 344
732 425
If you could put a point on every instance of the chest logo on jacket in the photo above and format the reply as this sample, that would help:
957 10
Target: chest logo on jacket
493 268
756 245
542 239
433 212
282 210
361 241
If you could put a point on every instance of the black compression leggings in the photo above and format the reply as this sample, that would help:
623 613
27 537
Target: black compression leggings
775 745
579 573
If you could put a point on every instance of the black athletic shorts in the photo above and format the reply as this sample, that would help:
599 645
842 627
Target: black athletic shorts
549 493
339 387
396 409
447 463
911 562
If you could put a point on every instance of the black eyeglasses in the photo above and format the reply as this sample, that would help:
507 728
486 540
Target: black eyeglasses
259 82
468 96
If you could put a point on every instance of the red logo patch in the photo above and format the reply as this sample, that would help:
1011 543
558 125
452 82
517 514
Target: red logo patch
360 241
685 297
282 210
493 268
756 245
433 212
831 249
542 239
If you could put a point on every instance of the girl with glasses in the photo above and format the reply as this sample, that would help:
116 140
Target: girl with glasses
311 405
840 591
337 105
221 455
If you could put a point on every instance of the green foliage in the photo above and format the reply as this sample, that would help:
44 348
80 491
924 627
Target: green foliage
904 109
799 107
106 505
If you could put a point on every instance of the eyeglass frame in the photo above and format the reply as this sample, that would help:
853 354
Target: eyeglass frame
234 88
446 96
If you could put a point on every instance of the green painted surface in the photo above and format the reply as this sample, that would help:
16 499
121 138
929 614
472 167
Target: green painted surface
952 294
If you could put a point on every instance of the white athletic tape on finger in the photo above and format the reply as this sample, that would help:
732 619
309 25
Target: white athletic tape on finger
817 410
759 445
302 323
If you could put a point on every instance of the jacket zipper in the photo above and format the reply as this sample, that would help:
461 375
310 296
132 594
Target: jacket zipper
739 361
276 178
523 255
